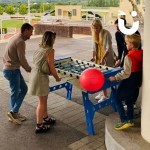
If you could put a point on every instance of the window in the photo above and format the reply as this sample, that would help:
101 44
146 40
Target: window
59 12
74 12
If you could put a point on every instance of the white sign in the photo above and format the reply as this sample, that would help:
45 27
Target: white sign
122 27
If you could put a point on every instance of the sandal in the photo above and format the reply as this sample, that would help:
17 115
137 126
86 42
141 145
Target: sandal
49 121
41 128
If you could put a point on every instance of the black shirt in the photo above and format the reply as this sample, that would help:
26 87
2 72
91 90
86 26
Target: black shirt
121 46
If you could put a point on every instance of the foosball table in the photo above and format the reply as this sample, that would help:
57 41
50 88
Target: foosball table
70 69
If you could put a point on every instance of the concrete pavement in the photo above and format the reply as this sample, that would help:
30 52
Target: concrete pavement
70 131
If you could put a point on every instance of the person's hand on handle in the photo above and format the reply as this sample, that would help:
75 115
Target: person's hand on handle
102 61
58 79
112 79
93 60
29 69
117 64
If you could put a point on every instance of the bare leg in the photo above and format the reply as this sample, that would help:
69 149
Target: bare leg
45 110
105 93
102 94
41 109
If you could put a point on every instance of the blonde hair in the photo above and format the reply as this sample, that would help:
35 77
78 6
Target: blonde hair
48 39
96 24
134 39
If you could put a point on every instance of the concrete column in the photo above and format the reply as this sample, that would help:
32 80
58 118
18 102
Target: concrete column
145 119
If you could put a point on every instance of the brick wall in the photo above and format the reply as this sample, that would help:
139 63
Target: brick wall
81 30
62 30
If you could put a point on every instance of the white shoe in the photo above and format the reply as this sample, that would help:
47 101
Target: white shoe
98 96
102 99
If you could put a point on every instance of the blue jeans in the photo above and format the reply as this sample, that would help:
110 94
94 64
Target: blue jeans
128 95
18 88
128 115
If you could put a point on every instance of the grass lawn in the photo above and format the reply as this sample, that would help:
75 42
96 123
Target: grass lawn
13 23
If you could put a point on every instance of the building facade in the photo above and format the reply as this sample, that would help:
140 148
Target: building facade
71 12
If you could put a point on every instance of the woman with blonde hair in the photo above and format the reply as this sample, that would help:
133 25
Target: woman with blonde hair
39 81
103 53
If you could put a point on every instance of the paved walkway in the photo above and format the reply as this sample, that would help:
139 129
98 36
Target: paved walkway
70 131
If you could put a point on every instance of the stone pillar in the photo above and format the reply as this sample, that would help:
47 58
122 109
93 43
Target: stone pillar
145 119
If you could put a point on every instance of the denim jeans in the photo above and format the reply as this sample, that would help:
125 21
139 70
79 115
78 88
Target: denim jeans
128 115
128 95
18 88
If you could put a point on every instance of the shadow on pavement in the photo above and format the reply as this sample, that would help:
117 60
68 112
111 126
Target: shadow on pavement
22 137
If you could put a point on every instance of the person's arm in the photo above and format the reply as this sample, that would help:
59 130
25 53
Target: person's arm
125 73
95 47
108 42
120 47
50 59
21 56
120 44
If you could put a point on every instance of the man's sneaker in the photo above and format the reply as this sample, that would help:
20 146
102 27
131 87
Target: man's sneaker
102 99
120 125
14 118
21 117
98 96
124 125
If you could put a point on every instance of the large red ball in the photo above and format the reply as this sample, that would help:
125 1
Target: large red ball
91 80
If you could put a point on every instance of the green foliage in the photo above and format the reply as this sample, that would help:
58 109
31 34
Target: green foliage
46 7
12 23
35 7
1 10
52 6
36 19
10 10
23 9
103 3
38 6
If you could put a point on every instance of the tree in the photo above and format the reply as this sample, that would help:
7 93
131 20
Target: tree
1 10
23 9
35 8
10 10
103 3
140 17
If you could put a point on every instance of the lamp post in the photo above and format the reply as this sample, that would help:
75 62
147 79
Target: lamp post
29 11
43 7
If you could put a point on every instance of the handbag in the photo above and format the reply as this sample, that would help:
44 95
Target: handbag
45 67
